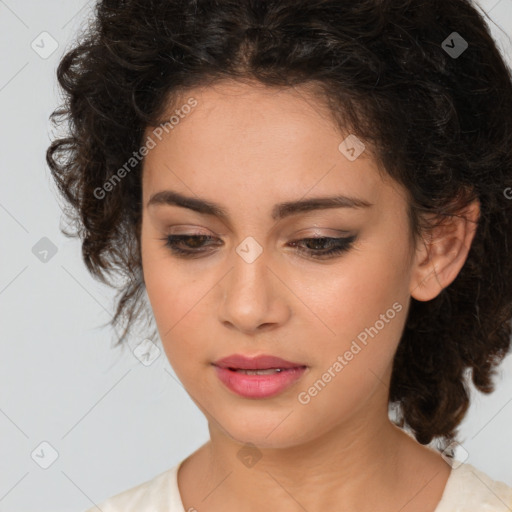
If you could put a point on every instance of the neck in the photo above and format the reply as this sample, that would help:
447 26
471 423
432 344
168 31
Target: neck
337 467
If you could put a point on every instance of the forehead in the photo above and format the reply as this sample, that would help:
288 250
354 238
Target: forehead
274 117
267 144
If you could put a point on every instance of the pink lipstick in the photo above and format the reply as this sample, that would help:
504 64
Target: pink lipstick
258 377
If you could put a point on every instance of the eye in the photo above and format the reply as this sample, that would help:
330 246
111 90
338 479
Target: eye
194 245
174 243
334 246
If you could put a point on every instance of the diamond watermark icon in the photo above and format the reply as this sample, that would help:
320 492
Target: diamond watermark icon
454 45
146 352
249 455
449 453
249 249
44 250
44 45
44 455
351 147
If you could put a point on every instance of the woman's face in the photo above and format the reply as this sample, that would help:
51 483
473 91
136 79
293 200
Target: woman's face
249 289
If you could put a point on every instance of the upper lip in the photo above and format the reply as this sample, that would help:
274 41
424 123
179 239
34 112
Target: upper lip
262 362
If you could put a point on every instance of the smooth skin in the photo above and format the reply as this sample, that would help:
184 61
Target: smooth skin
247 147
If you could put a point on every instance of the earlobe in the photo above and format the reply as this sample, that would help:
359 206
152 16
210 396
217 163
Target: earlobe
443 252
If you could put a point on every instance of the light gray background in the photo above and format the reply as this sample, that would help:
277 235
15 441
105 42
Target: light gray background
113 421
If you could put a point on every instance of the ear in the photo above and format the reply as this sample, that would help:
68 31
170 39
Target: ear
442 253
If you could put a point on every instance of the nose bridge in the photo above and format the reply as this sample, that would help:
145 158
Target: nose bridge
249 295
249 278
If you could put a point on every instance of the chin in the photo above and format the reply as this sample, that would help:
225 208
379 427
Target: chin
264 431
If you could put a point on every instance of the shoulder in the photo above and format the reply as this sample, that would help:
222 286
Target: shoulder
161 493
469 489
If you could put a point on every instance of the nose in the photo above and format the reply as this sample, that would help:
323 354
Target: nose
254 297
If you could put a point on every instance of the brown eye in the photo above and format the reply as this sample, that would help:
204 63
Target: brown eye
191 242
334 246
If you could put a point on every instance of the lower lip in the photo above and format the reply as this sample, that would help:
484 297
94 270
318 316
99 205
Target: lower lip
259 386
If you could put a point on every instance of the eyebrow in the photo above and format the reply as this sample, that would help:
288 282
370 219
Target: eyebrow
279 211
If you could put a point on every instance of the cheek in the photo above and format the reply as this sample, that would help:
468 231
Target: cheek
366 289
164 284
181 303
166 280
173 298
363 312
172 303
363 301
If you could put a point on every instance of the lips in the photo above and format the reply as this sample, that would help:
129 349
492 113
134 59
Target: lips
258 377
262 362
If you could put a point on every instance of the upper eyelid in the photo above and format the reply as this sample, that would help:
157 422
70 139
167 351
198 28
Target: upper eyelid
320 236
332 232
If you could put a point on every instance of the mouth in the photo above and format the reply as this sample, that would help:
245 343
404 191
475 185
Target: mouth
258 377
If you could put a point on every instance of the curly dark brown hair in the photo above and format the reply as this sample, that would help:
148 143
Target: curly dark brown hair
436 115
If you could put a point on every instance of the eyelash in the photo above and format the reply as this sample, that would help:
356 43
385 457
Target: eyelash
341 245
